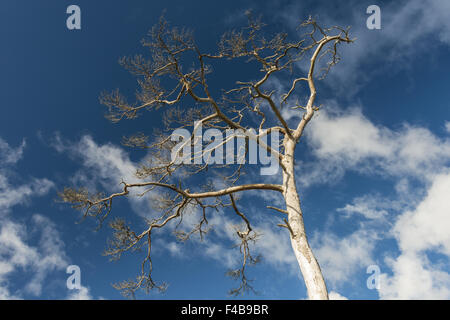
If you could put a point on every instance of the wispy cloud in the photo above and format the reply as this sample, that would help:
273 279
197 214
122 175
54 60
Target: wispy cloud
408 28
18 253
103 168
333 295
347 140
419 232
341 257
80 294
415 217
10 155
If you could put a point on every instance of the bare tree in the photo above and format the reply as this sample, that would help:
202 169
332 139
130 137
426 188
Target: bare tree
177 71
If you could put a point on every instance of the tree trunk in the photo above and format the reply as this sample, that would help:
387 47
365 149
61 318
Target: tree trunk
309 266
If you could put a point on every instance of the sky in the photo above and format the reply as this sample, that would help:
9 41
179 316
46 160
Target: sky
372 169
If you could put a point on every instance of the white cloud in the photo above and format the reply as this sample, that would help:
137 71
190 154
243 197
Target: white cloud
333 295
432 17
349 135
343 140
418 232
52 254
408 28
109 163
17 254
38 260
355 142
14 195
447 126
9 155
273 244
11 195
369 206
341 257
420 229
80 294
5 294
275 247
104 167
428 225
414 277
347 140
381 208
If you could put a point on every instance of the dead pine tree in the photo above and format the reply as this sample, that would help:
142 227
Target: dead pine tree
177 72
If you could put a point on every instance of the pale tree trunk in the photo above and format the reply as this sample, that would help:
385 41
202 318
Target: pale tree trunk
309 266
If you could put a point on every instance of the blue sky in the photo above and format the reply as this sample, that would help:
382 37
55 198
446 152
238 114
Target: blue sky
373 168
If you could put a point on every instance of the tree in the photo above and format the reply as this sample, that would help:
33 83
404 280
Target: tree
177 71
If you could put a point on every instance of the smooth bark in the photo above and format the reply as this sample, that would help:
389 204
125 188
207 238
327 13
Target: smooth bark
309 266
